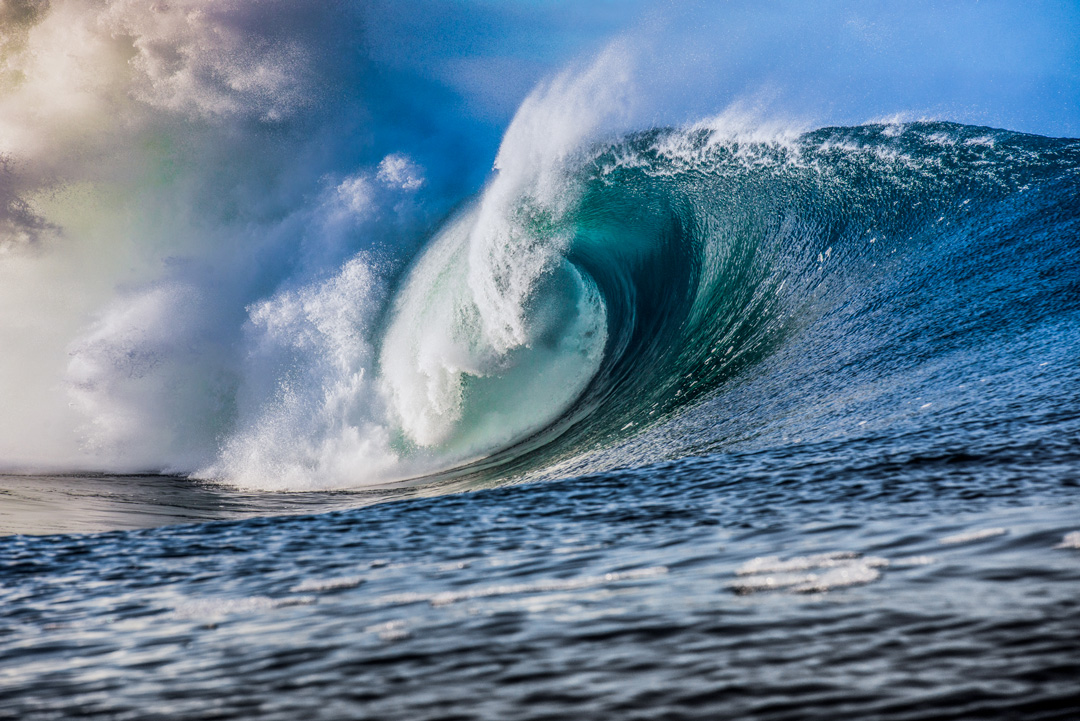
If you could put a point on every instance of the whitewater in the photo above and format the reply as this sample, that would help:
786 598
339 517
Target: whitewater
390 361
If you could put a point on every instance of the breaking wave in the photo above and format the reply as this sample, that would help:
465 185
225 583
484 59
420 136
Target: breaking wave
306 326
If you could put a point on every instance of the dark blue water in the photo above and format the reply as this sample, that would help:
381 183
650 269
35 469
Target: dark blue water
609 596
829 467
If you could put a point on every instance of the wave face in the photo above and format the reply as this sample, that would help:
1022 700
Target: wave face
605 314
722 260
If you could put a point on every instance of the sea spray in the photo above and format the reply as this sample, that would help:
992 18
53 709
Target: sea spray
175 175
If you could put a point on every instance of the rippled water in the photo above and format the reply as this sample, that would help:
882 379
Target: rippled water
878 578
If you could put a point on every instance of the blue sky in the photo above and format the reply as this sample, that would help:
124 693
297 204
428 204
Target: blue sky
1007 64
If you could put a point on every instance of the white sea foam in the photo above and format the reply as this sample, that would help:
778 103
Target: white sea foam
971 536
514 589
214 608
395 630
838 569
774 564
1070 540
321 585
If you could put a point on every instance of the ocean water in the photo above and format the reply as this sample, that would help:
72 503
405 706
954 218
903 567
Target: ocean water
310 413
886 527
